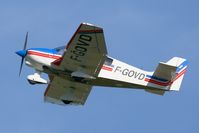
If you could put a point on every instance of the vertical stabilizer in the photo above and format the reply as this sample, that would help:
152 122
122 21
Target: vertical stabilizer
181 65
169 75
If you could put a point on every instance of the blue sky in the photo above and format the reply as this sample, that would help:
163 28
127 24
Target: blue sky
138 32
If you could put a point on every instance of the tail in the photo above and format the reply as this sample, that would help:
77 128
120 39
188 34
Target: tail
168 76
181 65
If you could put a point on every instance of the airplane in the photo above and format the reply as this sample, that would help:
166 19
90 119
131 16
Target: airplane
74 69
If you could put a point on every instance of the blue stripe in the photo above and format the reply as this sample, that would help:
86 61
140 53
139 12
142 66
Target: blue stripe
156 78
46 50
182 66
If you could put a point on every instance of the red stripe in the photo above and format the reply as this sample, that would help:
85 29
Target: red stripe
107 68
69 43
157 82
58 61
78 30
91 31
167 83
43 55
180 74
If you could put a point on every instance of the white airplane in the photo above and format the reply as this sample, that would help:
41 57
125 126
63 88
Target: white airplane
83 63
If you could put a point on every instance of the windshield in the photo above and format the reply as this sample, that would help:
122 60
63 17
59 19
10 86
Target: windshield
60 50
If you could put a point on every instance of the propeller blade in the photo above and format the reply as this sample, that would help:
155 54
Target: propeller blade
26 40
21 66
23 53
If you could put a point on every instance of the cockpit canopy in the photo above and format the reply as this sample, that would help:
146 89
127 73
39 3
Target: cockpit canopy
60 50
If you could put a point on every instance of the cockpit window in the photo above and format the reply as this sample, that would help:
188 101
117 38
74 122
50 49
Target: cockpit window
108 61
60 50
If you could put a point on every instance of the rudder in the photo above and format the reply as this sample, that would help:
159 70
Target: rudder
181 65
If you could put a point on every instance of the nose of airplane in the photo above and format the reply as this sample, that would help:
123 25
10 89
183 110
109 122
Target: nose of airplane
21 53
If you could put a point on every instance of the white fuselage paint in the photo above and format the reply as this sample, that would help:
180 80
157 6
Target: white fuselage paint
126 75
37 61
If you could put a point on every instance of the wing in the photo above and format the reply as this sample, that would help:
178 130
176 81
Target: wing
85 52
62 91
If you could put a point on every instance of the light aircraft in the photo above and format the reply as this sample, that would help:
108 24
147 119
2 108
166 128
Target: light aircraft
83 63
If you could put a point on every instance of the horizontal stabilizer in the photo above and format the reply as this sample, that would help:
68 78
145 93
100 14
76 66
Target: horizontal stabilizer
165 71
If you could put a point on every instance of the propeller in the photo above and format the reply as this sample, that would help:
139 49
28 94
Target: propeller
23 53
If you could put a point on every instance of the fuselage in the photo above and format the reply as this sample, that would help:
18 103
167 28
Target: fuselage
39 57
113 73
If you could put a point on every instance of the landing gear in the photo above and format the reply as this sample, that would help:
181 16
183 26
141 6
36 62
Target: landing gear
36 79
67 101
